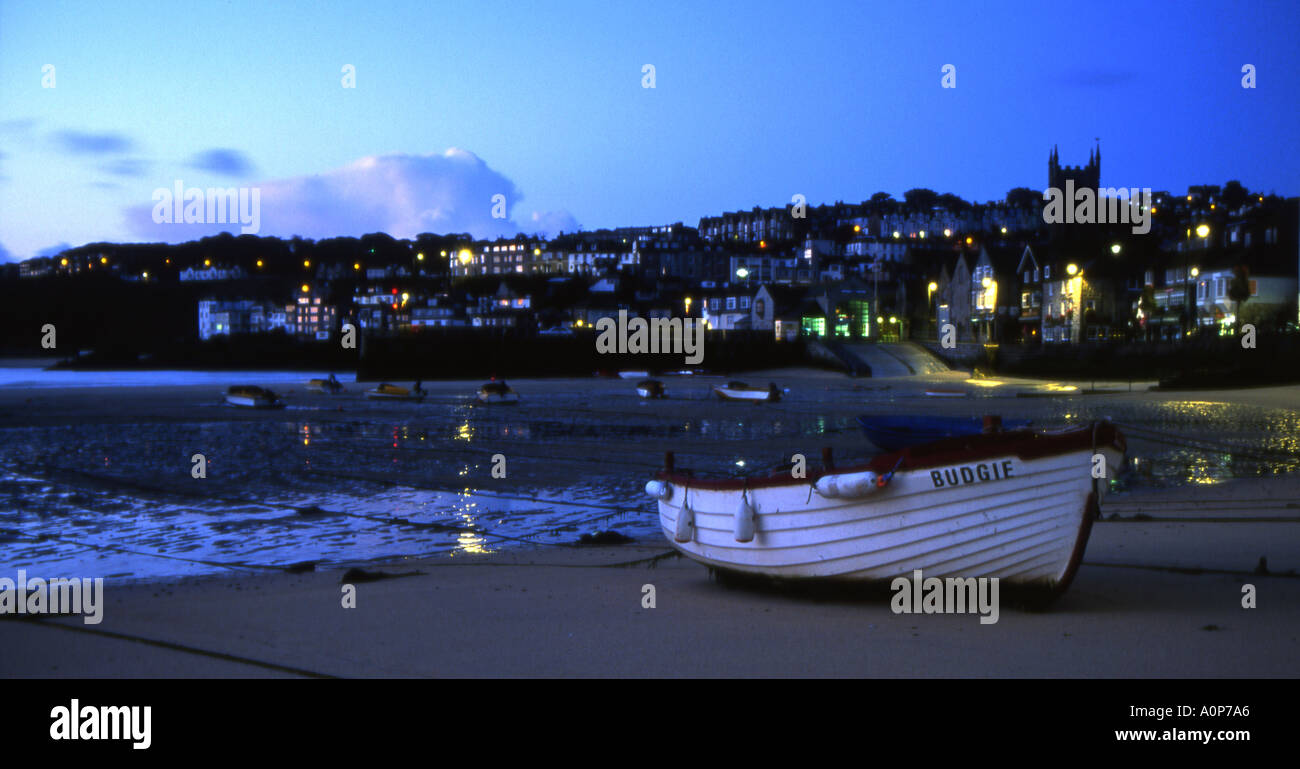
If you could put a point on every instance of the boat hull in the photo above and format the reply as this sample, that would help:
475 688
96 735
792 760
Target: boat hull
509 397
1028 526
323 386
749 396
383 396
253 402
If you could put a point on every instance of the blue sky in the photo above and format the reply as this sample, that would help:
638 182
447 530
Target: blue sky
543 102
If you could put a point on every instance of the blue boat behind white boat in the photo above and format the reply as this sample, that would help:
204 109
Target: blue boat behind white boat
893 432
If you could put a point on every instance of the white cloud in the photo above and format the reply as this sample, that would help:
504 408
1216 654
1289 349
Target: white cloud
400 194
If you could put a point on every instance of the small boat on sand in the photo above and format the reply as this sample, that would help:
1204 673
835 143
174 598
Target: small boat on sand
253 397
891 432
1014 505
739 391
331 385
392 392
650 388
497 392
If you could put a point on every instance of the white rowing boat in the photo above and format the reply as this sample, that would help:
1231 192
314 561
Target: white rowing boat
253 397
739 391
1013 505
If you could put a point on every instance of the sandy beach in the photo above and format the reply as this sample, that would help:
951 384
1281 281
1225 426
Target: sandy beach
1159 593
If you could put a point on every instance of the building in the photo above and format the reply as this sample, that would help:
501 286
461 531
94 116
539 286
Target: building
308 317
241 316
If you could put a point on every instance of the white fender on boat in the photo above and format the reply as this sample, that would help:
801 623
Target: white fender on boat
847 485
744 524
661 490
685 523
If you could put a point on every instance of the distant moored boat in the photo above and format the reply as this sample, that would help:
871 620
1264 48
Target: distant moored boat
253 397
650 388
497 392
739 391
330 385
387 391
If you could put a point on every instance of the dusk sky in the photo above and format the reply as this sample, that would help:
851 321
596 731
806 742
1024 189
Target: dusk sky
543 103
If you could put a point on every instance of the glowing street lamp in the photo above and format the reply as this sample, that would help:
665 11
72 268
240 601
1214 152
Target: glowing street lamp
742 273
947 233
1202 231
1071 268
1115 248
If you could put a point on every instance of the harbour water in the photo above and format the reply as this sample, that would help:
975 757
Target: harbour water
97 468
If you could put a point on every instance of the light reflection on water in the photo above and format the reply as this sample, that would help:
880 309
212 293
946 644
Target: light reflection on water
130 485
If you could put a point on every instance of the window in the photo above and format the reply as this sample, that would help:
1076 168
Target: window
744 303
731 303
1047 272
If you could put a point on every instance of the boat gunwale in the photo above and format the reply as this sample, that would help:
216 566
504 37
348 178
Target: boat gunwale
1023 444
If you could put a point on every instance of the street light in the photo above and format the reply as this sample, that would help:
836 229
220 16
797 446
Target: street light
930 309
742 273
1115 248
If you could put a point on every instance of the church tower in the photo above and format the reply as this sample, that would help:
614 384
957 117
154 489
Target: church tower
1082 176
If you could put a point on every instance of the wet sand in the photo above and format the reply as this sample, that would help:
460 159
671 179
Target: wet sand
1159 594
578 612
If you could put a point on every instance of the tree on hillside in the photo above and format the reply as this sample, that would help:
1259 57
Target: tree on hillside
921 199
953 203
1023 197
1234 195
